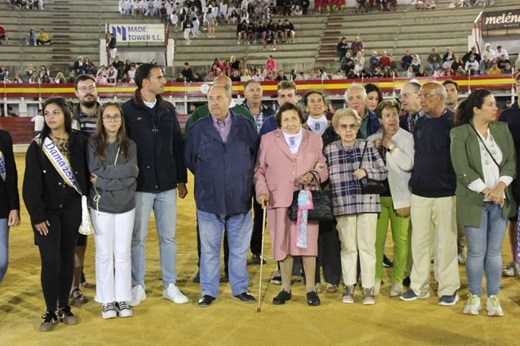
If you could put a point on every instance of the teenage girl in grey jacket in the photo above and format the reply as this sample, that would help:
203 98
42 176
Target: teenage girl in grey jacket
112 162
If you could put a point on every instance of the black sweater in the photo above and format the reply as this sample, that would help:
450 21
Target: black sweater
9 199
433 175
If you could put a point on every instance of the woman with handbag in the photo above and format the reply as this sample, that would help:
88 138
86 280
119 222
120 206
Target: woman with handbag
285 159
351 163
396 148
483 157
9 199
54 189
112 162
328 240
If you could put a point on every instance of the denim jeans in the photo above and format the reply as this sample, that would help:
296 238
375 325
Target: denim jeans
211 227
485 250
4 248
164 205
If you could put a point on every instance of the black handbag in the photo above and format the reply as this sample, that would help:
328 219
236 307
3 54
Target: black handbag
370 186
321 201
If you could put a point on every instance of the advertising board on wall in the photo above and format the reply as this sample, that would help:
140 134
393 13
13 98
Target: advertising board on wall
132 33
502 20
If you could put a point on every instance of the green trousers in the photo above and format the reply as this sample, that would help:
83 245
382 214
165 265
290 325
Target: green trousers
399 225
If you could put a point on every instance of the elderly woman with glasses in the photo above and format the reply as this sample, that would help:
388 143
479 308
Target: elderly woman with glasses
350 160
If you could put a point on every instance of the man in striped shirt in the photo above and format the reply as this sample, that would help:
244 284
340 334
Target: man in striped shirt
84 120
85 112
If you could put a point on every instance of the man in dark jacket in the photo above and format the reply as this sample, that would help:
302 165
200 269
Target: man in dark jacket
253 94
152 124
221 152
356 97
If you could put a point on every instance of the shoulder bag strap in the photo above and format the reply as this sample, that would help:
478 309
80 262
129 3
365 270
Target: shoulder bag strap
484 144
363 154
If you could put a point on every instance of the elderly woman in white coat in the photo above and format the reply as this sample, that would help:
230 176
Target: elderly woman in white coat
396 147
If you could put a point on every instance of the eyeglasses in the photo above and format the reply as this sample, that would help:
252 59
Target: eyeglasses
112 118
87 88
406 95
427 96
345 127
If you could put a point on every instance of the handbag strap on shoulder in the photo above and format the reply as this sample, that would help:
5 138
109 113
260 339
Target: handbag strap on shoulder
363 154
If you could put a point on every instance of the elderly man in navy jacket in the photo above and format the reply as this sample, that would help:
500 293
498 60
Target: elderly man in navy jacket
221 151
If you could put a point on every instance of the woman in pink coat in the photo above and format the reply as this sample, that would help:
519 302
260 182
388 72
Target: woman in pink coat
284 160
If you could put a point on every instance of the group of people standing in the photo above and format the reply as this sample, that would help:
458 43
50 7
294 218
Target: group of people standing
91 180
429 160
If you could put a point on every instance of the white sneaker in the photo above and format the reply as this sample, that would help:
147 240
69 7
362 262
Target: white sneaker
172 293
108 311
493 307
124 310
472 306
377 288
396 289
138 295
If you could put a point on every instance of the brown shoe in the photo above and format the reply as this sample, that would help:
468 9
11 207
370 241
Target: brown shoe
331 288
77 297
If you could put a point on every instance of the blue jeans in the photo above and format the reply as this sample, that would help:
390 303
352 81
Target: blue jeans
485 250
211 228
4 248
164 205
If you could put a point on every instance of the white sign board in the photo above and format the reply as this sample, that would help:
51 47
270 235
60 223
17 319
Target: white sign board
129 33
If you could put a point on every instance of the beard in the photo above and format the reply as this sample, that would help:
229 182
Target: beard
89 104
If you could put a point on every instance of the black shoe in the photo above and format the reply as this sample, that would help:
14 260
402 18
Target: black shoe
66 316
255 259
196 278
406 281
49 320
282 297
313 299
245 297
387 263
277 278
205 301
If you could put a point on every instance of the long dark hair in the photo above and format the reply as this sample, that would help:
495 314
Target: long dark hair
464 112
67 112
100 136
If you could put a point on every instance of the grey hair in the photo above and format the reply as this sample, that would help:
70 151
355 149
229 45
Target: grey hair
356 86
227 89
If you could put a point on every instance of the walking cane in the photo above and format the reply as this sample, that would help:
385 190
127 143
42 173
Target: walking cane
261 261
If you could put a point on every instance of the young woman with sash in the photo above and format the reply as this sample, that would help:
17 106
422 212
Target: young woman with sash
54 191
9 199
112 162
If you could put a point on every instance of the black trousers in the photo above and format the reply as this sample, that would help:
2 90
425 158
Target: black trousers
329 253
57 253
256 235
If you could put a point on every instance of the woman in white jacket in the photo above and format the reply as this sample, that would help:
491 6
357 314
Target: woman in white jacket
397 149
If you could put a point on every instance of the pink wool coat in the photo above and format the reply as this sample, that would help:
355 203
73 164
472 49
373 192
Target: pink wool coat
276 173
